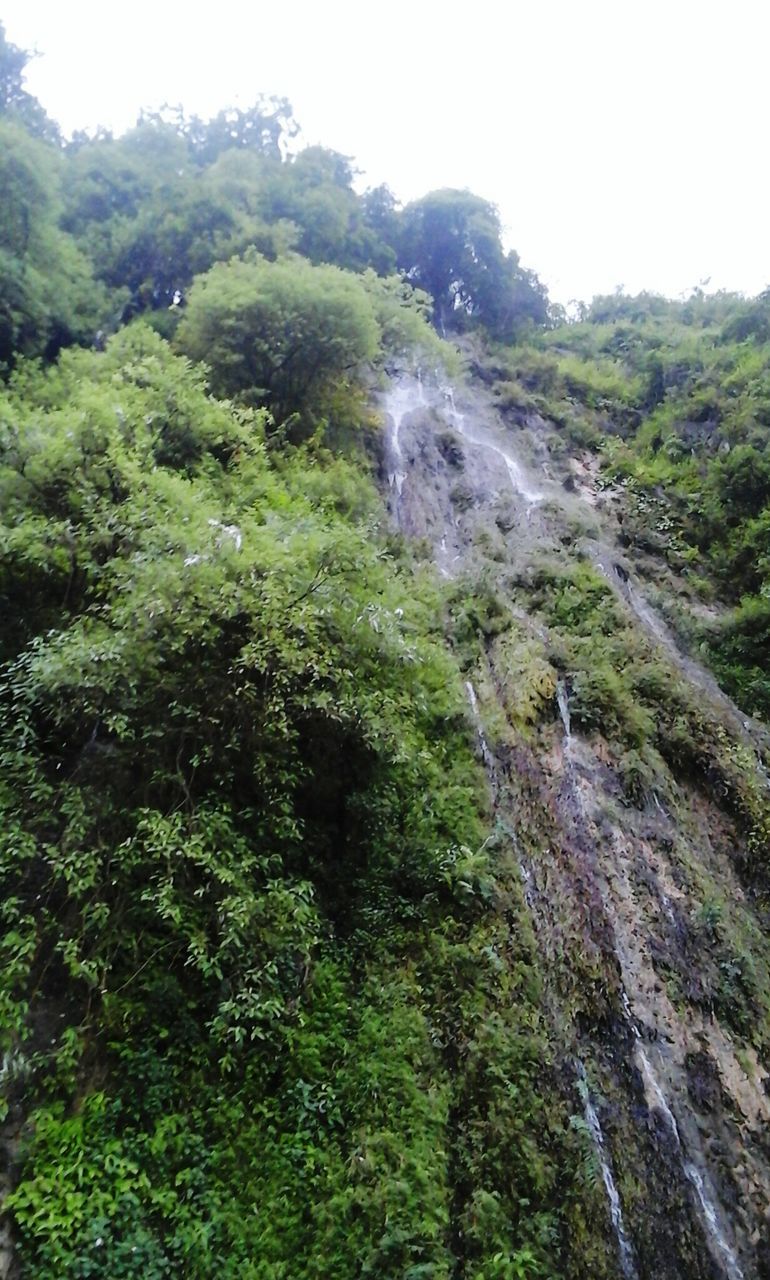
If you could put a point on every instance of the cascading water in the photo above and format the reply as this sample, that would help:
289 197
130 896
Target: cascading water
723 1253
605 855
715 1231
562 697
668 909
403 397
519 482
407 394
721 1247
656 1098
486 754
625 1249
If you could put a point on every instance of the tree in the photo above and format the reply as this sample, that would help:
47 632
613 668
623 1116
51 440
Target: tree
315 192
403 315
48 296
749 320
742 482
262 129
451 246
151 218
278 333
15 100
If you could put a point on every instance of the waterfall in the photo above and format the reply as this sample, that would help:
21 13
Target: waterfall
405 395
562 697
699 1181
486 754
525 870
458 419
646 614
668 909
519 482
708 1209
625 1250
400 400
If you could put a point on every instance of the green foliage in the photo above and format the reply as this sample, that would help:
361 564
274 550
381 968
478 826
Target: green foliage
450 245
618 685
314 191
242 864
675 396
739 651
576 598
150 218
271 1002
403 316
278 333
527 680
175 195
287 334
48 296
262 129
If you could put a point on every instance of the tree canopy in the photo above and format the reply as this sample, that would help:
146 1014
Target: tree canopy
277 333
285 334
48 295
15 99
145 213
451 246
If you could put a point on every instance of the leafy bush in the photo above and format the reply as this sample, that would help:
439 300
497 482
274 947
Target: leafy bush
242 861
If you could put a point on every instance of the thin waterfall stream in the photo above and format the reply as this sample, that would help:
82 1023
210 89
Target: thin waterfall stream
562 697
406 394
418 409
705 1195
656 1099
486 754
519 482
625 1248
402 398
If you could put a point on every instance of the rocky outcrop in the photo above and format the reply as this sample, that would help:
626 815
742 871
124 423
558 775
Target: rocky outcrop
638 862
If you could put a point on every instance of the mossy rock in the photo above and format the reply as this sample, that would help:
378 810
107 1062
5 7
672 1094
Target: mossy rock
526 678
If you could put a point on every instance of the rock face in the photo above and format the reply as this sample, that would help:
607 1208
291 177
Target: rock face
639 862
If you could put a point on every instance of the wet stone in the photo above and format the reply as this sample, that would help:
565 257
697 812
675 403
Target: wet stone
703 1081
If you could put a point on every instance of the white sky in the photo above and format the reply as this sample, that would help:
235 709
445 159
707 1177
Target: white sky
624 141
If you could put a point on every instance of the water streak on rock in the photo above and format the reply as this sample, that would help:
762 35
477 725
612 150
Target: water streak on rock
699 1181
625 1249
562 697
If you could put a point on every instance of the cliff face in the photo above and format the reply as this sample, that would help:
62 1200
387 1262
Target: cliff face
633 795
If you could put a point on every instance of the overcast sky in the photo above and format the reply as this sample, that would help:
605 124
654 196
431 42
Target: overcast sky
625 142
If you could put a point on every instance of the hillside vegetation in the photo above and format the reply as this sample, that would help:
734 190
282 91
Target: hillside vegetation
245 860
674 399
274 1000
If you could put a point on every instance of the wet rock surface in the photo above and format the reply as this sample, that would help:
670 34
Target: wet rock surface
649 934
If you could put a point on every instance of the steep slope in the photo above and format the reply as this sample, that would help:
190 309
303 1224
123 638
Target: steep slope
634 796
271 1001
